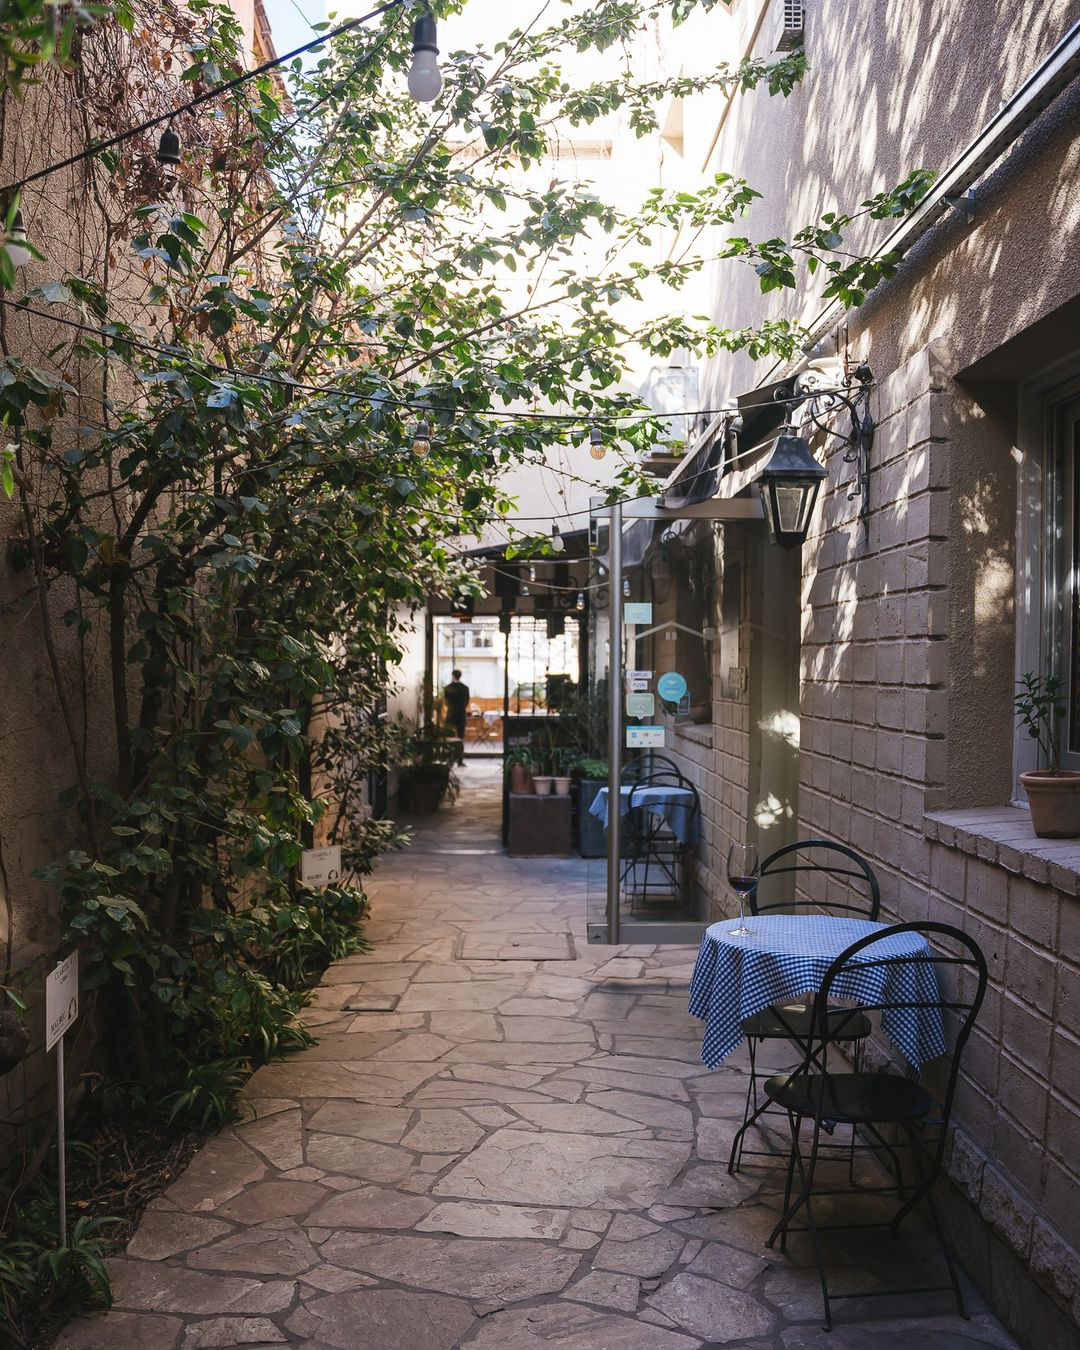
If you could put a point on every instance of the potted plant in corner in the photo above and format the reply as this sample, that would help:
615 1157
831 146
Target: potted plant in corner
1053 793
519 764
565 757
542 744
426 777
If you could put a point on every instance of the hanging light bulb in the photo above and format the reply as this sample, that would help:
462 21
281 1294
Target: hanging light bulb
558 544
532 572
524 590
579 604
597 447
15 245
425 77
421 445
168 151
626 588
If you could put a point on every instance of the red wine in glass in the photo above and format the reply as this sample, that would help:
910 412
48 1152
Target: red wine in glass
742 873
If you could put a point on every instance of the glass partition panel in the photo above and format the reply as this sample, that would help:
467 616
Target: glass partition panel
650 892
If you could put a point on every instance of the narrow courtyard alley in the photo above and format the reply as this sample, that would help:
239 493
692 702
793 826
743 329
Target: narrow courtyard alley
504 1139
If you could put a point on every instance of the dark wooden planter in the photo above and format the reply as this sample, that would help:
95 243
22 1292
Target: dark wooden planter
592 837
539 826
425 796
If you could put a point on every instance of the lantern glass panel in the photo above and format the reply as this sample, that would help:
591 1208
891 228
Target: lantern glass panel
790 502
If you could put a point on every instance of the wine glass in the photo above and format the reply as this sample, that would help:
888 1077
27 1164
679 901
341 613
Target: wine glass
742 868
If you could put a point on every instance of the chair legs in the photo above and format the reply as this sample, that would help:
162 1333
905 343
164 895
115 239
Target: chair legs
921 1190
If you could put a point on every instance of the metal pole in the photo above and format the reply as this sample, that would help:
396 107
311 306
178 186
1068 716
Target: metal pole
615 729
61 1142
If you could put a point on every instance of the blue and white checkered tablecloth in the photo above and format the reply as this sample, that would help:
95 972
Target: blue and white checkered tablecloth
788 955
667 800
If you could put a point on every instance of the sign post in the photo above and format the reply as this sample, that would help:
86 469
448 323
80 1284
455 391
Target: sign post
61 1012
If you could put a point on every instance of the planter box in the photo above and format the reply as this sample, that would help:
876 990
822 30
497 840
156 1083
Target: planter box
539 826
592 838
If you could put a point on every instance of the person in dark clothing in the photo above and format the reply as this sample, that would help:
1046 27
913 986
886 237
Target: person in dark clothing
456 696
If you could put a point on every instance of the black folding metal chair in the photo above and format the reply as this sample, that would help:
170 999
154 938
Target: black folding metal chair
835 880
655 859
873 1103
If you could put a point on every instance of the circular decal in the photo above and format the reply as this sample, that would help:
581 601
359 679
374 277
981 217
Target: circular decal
671 687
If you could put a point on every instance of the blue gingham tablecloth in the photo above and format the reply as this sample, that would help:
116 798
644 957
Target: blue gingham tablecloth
669 801
788 955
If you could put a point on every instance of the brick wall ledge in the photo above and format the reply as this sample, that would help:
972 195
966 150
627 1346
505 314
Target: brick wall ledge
1002 835
696 732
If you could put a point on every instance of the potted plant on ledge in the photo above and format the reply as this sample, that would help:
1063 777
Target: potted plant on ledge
1053 793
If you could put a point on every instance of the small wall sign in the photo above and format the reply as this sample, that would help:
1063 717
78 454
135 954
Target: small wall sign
644 738
61 999
637 681
671 687
637 612
320 866
640 705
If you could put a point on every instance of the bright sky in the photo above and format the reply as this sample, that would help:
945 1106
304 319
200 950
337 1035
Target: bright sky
291 21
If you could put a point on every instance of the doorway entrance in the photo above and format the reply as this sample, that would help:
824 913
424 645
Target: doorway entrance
513 665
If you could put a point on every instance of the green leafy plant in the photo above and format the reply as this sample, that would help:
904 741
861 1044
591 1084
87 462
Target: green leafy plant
40 1279
1040 708
208 1097
594 769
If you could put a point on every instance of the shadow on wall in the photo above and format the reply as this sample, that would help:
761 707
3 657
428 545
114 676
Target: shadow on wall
890 89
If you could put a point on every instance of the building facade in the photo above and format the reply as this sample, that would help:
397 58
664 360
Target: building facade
862 690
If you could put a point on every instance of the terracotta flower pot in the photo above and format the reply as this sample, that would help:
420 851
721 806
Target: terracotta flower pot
1054 799
542 785
519 779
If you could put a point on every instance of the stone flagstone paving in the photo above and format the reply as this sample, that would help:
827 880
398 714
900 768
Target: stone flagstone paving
506 1140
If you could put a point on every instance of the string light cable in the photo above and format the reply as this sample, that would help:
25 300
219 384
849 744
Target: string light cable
418 405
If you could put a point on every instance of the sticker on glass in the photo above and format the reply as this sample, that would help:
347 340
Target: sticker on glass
637 613
640 705
644 738
671 687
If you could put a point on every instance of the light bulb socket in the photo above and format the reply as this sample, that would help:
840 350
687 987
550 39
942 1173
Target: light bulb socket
421 444
425 36
168 151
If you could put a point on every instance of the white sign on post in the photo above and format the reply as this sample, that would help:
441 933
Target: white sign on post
321 866
61 999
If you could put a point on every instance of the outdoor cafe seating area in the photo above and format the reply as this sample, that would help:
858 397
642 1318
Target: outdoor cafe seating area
875 1017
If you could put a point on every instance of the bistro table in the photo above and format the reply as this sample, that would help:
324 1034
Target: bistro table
669 801
788 954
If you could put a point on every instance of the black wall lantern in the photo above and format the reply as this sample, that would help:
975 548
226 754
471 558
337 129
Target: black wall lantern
789 485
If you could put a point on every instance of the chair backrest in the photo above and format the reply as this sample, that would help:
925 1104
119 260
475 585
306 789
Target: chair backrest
847 883
646 825
907 987
646 765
